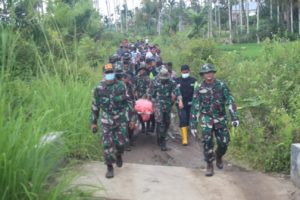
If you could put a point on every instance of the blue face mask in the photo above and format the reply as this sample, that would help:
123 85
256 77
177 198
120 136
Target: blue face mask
185 75
110 76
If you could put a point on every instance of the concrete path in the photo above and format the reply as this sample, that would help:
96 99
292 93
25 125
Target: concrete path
148 182
178 174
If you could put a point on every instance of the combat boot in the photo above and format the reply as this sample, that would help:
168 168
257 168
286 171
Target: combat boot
219 162
119 161
209 169
163 144
110 171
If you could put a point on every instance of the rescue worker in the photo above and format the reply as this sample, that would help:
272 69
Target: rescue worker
110 97
162 91
186 85
208 107
141 87
130 112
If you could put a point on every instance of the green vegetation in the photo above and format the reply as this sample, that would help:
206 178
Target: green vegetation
247 51
265 82
49 63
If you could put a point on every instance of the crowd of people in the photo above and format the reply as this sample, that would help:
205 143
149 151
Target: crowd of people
136 71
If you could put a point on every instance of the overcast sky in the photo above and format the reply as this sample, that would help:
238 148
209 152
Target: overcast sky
131 4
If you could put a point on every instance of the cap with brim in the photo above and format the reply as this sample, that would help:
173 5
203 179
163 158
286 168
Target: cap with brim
108 68
185 67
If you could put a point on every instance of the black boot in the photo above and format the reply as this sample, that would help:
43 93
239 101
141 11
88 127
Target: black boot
209 169
119 160
163 144
219 162
110 171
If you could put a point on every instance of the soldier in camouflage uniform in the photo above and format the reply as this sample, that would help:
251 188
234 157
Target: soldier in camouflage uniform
142 84
208 107
110 97
162 91
130 113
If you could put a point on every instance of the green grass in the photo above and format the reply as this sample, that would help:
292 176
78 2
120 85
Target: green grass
247 51
33 107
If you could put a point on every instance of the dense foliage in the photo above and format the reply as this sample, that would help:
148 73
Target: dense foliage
266 87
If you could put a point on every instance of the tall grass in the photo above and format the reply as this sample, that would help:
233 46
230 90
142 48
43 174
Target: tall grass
29 110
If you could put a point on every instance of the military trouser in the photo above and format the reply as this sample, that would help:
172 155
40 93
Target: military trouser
163 120
129 134
114 138
184 116
220 130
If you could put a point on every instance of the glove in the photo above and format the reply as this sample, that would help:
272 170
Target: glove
94 128
235 123
194 132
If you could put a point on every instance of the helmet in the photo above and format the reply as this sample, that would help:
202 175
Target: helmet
113 58
126 56
207 68
108 68
164 73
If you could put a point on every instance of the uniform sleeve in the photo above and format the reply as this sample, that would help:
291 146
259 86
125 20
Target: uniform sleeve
95 107
230 103
121 94
195 109
176 91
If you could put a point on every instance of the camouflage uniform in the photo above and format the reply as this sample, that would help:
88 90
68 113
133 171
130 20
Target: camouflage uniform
111 100
161 92
208 107
141 84
130 112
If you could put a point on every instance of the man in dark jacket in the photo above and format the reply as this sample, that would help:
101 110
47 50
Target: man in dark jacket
186 85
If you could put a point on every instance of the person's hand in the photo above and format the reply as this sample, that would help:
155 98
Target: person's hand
194 132
180 104
132 125
235 123
94 128
173 98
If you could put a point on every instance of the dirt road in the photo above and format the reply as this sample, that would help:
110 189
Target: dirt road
149 173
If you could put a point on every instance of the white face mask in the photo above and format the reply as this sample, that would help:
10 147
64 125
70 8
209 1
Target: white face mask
185 75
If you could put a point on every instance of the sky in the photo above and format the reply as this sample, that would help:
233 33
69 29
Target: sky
103 9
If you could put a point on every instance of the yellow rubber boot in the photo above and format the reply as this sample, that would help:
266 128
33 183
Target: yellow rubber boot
184 132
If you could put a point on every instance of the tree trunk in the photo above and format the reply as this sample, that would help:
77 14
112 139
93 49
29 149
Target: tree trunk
219 18
299 17
292 19
241 16
211 20
159 23
126 11
271 10
247 16
108 12
257 15
278 12
229 21
257 21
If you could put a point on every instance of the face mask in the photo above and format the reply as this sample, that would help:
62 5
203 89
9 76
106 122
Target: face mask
186 75
110 76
